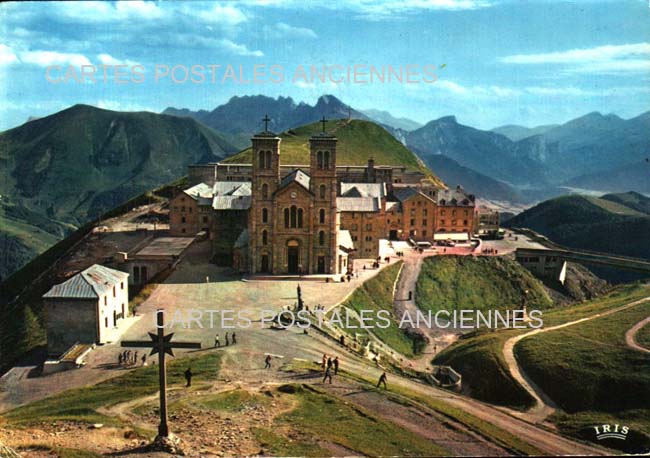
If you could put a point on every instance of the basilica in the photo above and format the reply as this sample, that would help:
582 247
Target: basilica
266 217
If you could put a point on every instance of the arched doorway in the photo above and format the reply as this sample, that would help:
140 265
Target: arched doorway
293 256
265 263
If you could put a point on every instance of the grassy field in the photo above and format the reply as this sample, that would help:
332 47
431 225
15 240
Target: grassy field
593 376
588 366
377 294
357 142
479 357
482 283
81 404
327 418
643 336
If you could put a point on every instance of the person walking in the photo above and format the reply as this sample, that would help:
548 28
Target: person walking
324 363
144 359
234 338
188 377
382 379
119 359
227 340
336 366
328 374
267 362
329 363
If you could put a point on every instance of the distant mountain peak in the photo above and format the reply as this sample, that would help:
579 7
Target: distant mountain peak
447 120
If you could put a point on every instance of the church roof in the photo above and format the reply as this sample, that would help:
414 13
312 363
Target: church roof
297 176
91 283
363 190
358 204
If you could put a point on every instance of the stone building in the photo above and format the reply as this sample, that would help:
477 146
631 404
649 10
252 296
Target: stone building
270 217
87 308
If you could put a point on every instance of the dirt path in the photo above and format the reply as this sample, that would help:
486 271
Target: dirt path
544 405
629 336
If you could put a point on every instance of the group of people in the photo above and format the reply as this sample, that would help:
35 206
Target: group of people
217 342
129 358
328 365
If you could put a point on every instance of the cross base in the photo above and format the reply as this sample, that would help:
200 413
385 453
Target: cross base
169 444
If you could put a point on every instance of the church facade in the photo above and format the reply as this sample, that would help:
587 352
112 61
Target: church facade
267 217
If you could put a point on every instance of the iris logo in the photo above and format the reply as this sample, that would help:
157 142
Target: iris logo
611 432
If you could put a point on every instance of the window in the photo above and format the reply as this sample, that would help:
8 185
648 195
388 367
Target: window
424 222
286 217
260 162
190 209
412 222
466 213
453 222
354 227
265 215
265 191
368 227
326 160
114 294
321 238
465 222
442 213
322 191
453 213
265 237
442 222
424 233
183 230
319 160
205 219
354 215
183 208
321 216
354 238
105 322
424 212
183 220
122 285
105 300
295 217
368 238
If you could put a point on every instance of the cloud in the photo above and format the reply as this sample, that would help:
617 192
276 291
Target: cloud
116 105
627 58
47 58
378 10
218 14
282 30
238 49
107 59
7 55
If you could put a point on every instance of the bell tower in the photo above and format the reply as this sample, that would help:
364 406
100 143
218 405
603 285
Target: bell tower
323 184
264 182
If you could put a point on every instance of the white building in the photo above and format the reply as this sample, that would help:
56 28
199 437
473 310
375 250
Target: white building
87 308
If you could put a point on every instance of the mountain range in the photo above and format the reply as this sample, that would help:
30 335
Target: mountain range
60 171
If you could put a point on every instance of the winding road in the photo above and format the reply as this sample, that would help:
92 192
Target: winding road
631 333
544 405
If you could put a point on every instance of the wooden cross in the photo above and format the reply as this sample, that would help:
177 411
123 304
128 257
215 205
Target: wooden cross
161 344
323 121
266 120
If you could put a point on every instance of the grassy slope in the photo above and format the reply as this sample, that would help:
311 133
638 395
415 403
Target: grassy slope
479 358
81 404
482 283
588 367
580 222
377 294
643 336
633 200
357 142
330 419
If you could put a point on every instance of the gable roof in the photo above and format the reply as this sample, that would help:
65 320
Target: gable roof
198 191
455 198
405 193
297 176
231 188
363 190
91 283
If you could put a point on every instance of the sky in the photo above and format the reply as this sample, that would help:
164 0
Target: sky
488 62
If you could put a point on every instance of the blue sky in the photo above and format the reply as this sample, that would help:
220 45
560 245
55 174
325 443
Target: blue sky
505 61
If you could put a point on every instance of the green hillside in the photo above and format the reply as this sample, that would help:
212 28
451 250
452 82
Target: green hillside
357 142
633 200
597 224
481 283
76 164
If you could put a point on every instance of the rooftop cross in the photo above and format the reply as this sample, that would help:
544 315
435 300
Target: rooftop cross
161 344
266 120
324 121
